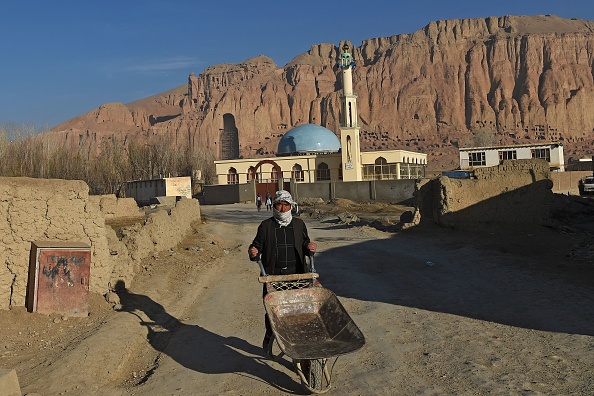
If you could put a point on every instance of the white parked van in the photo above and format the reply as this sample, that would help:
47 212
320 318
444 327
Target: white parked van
586 185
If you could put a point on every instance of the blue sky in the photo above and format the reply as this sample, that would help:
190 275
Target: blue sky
63 58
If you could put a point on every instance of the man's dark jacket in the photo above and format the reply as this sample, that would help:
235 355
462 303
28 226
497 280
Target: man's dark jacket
265 242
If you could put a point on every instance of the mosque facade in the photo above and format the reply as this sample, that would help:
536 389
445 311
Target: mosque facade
310 153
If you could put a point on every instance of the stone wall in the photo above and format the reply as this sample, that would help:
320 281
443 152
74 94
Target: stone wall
61 210
512 193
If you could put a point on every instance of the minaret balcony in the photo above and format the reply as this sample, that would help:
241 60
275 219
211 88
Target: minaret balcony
355 125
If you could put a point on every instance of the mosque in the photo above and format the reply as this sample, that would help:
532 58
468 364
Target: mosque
313 154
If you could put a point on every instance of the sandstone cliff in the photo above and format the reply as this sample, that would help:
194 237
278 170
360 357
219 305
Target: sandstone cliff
524 78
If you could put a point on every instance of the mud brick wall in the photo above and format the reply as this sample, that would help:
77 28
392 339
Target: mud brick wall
46 210
113 207
514 192
62 210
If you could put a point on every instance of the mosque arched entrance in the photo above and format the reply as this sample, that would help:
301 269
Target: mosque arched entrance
269 181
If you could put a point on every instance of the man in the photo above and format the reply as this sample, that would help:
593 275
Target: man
268 201
283 243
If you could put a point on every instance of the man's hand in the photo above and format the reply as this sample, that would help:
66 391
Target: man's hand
253 252
312 247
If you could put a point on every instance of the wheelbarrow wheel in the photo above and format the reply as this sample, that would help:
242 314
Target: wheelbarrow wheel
314 375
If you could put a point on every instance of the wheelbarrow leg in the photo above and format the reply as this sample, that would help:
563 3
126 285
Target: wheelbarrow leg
314 375
269 349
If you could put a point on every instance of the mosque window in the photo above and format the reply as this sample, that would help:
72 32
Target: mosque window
274 175
323 172
380 170
251 173
297 172
412 171
232 176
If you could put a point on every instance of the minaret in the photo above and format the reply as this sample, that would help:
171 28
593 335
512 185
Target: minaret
349 122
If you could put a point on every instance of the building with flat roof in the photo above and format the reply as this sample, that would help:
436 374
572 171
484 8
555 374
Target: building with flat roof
477 157
145 192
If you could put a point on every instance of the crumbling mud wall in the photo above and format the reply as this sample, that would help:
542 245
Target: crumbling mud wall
113 207
162 230
46 210
61 210
512 193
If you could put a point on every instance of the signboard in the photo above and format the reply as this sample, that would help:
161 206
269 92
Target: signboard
59 278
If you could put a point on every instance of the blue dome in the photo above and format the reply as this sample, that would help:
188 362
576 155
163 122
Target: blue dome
308 138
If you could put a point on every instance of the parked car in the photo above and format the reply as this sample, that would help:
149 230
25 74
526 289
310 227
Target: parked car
586 185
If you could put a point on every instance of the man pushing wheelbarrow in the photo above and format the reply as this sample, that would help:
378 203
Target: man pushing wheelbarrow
307 321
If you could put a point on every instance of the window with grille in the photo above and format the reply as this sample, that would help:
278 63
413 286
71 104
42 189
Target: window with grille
274 175
477 159
251 173
507 155
542 153
323 172
380 170
232 176
297 172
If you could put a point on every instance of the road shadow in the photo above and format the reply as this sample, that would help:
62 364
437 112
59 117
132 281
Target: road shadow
199 349
439 270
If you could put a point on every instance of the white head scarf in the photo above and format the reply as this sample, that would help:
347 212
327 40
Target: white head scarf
283 218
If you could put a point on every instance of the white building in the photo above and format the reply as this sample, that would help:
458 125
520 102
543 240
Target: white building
476 157
143 191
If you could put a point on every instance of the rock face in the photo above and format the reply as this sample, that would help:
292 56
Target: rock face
523 78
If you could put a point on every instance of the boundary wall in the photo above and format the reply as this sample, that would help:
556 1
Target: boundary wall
61 210
394 191
515 192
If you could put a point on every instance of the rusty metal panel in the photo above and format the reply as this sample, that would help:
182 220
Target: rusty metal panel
59 278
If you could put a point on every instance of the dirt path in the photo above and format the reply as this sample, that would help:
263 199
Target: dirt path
443 312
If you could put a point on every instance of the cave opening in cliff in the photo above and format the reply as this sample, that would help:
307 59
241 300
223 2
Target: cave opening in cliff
229 138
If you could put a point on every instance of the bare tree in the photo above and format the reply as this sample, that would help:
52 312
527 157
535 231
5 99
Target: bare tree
22 153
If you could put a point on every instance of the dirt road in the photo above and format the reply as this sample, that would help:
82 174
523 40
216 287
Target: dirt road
444 313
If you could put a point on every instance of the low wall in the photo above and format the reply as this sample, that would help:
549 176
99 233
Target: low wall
512 193
567 182
113 207
61 210
228 193
394 191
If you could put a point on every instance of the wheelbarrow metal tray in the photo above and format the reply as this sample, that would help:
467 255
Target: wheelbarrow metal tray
312 324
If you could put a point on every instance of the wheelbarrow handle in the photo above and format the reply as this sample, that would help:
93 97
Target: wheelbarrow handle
262 270
312 268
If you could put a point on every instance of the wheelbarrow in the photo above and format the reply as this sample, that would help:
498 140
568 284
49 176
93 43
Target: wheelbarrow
309 325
